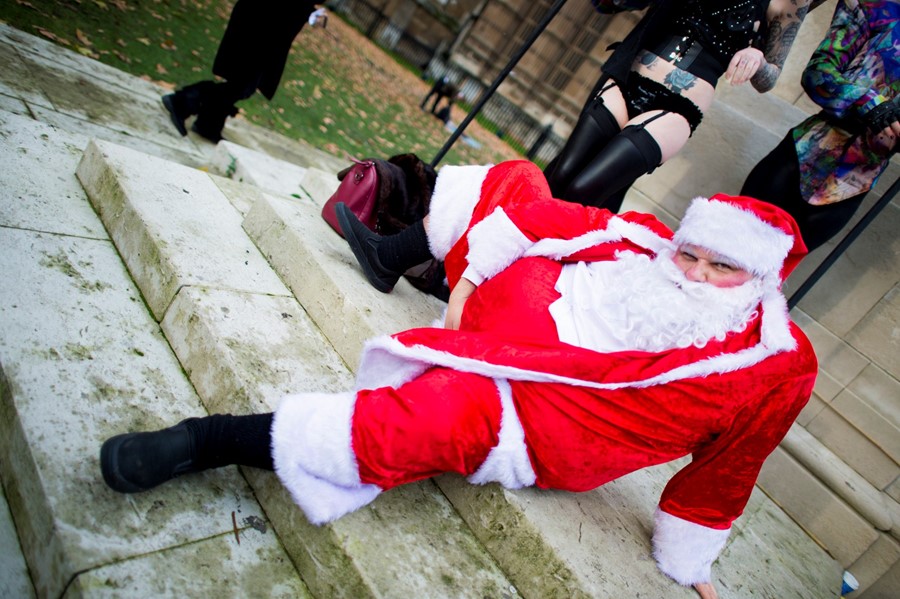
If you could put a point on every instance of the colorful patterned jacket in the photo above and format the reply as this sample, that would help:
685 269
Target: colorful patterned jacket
854 75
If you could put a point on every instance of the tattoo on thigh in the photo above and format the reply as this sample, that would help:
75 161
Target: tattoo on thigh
679 80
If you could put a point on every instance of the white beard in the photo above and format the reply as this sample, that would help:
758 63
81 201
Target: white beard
644 304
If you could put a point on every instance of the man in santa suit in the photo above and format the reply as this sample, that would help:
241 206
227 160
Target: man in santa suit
579 346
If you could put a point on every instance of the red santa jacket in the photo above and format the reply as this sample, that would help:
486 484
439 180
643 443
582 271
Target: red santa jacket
585 417
591 417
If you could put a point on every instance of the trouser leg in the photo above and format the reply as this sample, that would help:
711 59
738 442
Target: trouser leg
604 179
442 421
218 103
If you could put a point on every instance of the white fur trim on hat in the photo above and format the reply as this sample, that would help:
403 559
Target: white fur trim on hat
311 449
508 462
738 234
684 550
456 192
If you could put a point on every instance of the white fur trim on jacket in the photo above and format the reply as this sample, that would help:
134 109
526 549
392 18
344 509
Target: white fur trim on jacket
387 362
311 449
684 550
456 191
508 462
494 244
760 248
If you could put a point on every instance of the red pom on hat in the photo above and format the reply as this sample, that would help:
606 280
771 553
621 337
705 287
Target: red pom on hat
760 237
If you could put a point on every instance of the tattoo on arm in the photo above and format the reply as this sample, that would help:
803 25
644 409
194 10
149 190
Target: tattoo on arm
782 33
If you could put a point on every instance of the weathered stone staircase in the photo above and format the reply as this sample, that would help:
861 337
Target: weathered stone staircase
139 290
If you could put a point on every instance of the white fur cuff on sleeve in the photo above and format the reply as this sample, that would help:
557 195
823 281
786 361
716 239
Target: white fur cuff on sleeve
456 192
684 550
495 243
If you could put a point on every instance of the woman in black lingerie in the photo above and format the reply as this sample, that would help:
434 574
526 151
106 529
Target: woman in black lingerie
658 83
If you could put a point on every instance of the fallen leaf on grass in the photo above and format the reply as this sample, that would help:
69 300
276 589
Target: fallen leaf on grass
121 57
144 40
121 43
168 44
53 37
161 69
25 4
85 41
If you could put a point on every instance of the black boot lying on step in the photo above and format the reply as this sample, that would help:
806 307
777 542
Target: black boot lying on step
137 462
364 244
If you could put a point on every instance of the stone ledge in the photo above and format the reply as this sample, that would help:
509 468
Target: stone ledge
244 350
171 225
323 275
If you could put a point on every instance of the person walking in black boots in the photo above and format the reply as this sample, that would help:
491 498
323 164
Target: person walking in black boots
251 56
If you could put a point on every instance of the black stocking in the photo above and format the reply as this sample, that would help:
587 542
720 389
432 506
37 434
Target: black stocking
603 181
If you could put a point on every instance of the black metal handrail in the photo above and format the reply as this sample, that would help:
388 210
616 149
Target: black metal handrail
486 94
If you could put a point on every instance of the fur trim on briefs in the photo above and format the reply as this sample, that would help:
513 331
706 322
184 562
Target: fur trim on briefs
311 449
507 463
712 225
685 551
456 192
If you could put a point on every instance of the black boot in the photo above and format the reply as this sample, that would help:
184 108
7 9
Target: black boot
186 102
384 259
137 462
604 181
364 244
209 123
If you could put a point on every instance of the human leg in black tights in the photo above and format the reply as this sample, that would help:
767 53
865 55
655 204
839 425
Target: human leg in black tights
776 179
136 462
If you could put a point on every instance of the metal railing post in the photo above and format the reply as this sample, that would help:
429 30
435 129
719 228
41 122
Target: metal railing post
486 95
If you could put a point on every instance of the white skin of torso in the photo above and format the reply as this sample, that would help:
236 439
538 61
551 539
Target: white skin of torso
671 131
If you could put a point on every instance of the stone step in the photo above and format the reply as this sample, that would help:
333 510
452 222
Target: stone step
14 578
82 359
244 342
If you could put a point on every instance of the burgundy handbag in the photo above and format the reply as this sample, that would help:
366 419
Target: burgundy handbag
359 190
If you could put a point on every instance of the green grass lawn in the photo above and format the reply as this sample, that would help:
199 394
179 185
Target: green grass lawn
339 92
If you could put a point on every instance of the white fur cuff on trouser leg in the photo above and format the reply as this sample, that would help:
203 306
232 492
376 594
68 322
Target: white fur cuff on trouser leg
684 550
311 449
508 462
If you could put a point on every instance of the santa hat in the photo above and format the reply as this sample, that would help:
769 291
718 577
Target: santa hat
759 237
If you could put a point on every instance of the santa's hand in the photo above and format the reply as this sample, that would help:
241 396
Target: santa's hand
744 65
706 590
464 288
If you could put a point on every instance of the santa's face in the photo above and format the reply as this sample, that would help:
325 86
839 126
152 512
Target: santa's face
703 266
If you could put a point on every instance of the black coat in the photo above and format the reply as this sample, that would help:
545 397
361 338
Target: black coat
257 41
